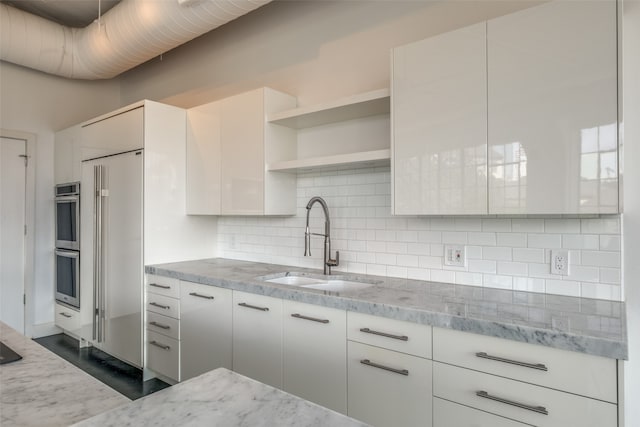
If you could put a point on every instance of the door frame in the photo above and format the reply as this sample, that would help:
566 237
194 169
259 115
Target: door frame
29 243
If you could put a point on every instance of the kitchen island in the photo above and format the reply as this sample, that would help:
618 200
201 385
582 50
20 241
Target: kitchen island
221 398
43 389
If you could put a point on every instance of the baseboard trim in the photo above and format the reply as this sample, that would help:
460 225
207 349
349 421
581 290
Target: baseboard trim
44 330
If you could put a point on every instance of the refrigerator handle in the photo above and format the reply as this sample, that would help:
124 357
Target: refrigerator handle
98 294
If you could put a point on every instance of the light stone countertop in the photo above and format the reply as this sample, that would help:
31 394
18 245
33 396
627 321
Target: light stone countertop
591 326
221 398
43 389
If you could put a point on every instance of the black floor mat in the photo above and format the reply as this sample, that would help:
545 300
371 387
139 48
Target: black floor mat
115 373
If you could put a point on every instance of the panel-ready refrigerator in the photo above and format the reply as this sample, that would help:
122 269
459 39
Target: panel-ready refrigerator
112 247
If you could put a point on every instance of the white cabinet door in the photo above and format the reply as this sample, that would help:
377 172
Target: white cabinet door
203 159
552 103
387 388
116 134
67 318
315 351
67 163
257 337
205 329
449 414
242 146
439 119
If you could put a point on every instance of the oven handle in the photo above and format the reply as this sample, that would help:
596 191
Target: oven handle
60 199
67 254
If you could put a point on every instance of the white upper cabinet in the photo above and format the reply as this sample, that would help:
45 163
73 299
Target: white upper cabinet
67 155
439 124
552 103
229 144
116 132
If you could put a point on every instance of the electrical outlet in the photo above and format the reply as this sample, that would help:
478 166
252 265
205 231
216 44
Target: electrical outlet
454 255
560 262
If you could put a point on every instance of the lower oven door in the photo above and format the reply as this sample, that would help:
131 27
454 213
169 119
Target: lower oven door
68 277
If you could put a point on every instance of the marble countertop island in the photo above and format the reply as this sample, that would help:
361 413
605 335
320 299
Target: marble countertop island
591 326
43 389
221 398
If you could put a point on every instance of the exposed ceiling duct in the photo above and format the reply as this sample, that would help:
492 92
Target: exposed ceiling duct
131 33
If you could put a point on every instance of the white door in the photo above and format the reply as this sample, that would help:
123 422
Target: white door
12 239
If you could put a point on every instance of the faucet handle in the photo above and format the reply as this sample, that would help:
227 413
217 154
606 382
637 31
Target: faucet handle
334 262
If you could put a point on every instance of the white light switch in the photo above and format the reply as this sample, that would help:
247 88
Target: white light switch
454 255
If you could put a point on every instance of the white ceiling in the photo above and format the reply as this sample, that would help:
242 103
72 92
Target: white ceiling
71 13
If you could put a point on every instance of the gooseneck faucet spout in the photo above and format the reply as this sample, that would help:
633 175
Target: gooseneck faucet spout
328 262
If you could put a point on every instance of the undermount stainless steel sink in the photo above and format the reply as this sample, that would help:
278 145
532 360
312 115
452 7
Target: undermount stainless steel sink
328 284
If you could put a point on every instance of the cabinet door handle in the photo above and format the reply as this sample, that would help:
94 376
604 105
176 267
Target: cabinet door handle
155 285
367 362
313 319
539 409
68 316
384 334
195 294
160 325
162 346
538 366
166 307
255 307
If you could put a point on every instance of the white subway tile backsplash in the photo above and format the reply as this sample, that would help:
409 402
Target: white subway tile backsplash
527 225
512 268
601 259
562 226
551 241
610 243
482 239
528 255
514 240
497 253
502 252
580 241
456 237
503 225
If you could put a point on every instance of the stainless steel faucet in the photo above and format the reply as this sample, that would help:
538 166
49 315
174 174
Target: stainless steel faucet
328 262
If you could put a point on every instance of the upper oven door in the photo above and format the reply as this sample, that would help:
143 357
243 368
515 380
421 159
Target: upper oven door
68 222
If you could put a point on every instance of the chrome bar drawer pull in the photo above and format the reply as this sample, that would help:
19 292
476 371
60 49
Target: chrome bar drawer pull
255 307
162 346
313 319
538 366
195 294
68 316
160 325
166 307
386 368
384 334
539 409
155 285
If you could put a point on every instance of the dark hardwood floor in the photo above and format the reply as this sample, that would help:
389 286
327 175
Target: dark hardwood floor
115 373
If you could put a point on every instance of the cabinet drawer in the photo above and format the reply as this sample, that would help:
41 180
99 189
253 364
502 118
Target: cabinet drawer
163 355
578 373
519 401
449 414
163 305
164 325
163 286
67 318
397 335
387 388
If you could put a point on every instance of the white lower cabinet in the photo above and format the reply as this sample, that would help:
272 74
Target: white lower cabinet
163 355
449 414
314 354
67 318
387 388
205 323
528 403
257 337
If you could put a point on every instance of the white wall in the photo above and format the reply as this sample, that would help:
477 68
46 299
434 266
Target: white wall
631 217
315 50
41 104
